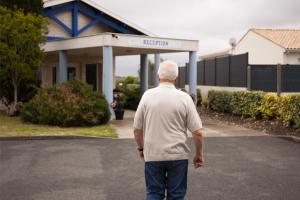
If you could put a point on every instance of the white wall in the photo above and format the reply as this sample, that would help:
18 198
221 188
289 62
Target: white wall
261 50
292 58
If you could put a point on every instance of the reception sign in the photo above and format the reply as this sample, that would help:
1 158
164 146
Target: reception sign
154 43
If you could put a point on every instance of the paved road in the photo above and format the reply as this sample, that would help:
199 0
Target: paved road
238 168
212 128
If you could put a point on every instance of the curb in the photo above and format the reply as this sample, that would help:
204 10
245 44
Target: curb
289 138
51 137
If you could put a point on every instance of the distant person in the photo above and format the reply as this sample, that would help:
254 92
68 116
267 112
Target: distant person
160 129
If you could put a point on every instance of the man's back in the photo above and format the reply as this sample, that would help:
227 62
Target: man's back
163 116
165 113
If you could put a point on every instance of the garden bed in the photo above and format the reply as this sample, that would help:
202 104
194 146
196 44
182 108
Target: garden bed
272 127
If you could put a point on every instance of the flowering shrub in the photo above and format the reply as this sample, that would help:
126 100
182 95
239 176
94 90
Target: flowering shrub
289 110
257 104
247 103
269 106
69 104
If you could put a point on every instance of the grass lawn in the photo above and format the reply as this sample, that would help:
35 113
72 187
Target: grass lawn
13 126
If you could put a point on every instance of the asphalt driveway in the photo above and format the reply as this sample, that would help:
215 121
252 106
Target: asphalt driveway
245 168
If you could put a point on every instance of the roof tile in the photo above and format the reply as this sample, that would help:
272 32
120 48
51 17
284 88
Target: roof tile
286 38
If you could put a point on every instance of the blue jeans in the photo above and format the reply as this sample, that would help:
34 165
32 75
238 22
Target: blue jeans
166 175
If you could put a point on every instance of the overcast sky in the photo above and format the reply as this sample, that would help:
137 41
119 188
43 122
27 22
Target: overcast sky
212 22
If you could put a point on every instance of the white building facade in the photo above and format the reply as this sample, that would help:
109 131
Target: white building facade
270 46
84 39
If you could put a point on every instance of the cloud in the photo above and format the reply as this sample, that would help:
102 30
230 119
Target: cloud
212 22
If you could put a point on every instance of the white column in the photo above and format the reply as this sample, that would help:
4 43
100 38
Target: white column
107 76
156 66
193 73
144 73
63 69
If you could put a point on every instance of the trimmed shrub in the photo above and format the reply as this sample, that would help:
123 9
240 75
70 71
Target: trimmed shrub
69 104
205 101
247 103
133 97
289 110
219 101
269 106
199 98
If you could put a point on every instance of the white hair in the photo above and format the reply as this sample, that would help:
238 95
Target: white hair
168 70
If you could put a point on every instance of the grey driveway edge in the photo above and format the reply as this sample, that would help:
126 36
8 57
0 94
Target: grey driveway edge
287 137
50 137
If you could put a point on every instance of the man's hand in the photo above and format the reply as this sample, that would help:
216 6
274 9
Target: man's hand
198 161
198 140
142 155
139 138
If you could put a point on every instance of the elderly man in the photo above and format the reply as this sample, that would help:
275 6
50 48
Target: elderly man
160 128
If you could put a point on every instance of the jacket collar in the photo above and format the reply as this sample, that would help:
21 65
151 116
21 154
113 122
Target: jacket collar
166 85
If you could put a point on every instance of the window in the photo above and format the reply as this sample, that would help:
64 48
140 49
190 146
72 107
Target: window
54 75
71 73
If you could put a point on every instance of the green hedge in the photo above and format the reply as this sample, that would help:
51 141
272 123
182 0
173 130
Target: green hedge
257 105
199 98
289 110
69 104
247 103
269 106
219 101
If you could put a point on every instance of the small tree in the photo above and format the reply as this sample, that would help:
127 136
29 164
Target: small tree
32 6
20 38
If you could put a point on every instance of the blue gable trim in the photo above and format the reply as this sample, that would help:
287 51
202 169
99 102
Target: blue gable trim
52 38
96 16
75 19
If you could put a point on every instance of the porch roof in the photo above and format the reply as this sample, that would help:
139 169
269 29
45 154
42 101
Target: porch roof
123 44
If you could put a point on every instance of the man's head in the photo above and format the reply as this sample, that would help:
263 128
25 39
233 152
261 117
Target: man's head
168 71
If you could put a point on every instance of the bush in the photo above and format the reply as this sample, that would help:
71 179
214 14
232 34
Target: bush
133 97
205 102
289 110
199 98
247 103
256 104
269 106
68 104
219 101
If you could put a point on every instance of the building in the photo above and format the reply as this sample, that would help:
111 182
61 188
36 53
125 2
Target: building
265 47
252 63
85 38
270 46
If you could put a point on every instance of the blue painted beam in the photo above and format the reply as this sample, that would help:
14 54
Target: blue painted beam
75 19
95 21
55 10
53 38
90 13
96 16
56 20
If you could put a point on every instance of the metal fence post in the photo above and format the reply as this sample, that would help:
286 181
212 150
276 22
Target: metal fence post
279 79
249 77
215 66
229 68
